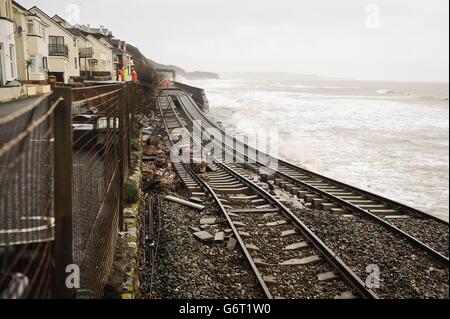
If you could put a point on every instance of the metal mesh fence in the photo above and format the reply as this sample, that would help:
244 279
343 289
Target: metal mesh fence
96 185
100 167
26 201
103 119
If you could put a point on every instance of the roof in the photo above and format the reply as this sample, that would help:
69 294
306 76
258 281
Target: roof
76 32
98 41
35 8
19 6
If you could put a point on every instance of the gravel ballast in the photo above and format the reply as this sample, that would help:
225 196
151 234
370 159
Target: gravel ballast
429 231
187 268
405 271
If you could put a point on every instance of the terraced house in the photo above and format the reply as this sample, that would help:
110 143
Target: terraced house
8 66
63 56
31 46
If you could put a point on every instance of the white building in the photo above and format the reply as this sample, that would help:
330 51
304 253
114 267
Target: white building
103 56
31 45
8 65
63 57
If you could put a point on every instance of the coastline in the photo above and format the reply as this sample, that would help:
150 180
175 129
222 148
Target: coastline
413 180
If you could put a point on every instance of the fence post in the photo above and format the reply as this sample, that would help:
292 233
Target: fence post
62 129
120 141
130 106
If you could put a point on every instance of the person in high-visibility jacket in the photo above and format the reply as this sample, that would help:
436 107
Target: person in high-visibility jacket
134 76
122 74
126 74
165 84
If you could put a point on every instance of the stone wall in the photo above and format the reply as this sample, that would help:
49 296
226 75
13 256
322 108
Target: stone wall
198 95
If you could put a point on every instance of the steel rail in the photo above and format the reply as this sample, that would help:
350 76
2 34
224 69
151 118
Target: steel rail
332 258
413 240
373 216
348 275
394 204
244 249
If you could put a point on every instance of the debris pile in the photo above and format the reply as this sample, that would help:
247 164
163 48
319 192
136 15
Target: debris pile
210 230
157 168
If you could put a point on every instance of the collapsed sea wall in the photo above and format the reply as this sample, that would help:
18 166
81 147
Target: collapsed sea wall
198 94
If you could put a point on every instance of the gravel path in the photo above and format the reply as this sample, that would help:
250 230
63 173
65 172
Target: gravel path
187 268
405 272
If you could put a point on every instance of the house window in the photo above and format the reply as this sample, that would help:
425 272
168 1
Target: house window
56 45
12 58
40 66
30 26
45 63
56 40
38 27
76 64
8 10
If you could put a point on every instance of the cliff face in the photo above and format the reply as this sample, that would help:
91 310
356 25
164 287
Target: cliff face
178 70
144 68
181 72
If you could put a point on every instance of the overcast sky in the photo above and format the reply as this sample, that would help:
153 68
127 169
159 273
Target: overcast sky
379 39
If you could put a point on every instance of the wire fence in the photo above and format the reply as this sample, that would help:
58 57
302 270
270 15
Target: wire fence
26 202
63 165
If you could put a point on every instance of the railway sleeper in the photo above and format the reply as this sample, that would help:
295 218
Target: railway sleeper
230 191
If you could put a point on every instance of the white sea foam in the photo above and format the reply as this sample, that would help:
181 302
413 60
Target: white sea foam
392 144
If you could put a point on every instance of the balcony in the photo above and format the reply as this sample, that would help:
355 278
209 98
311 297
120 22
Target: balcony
86 52
58 50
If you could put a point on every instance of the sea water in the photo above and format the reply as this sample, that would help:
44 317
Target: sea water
388 138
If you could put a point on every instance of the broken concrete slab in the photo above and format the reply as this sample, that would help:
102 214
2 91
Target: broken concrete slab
303 261
208 221
195 229
204 236
346 295
220 236
231 243
327 276
277 223
296 246
288 233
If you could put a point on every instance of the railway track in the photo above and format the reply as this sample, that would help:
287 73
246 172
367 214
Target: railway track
422 230
288 259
